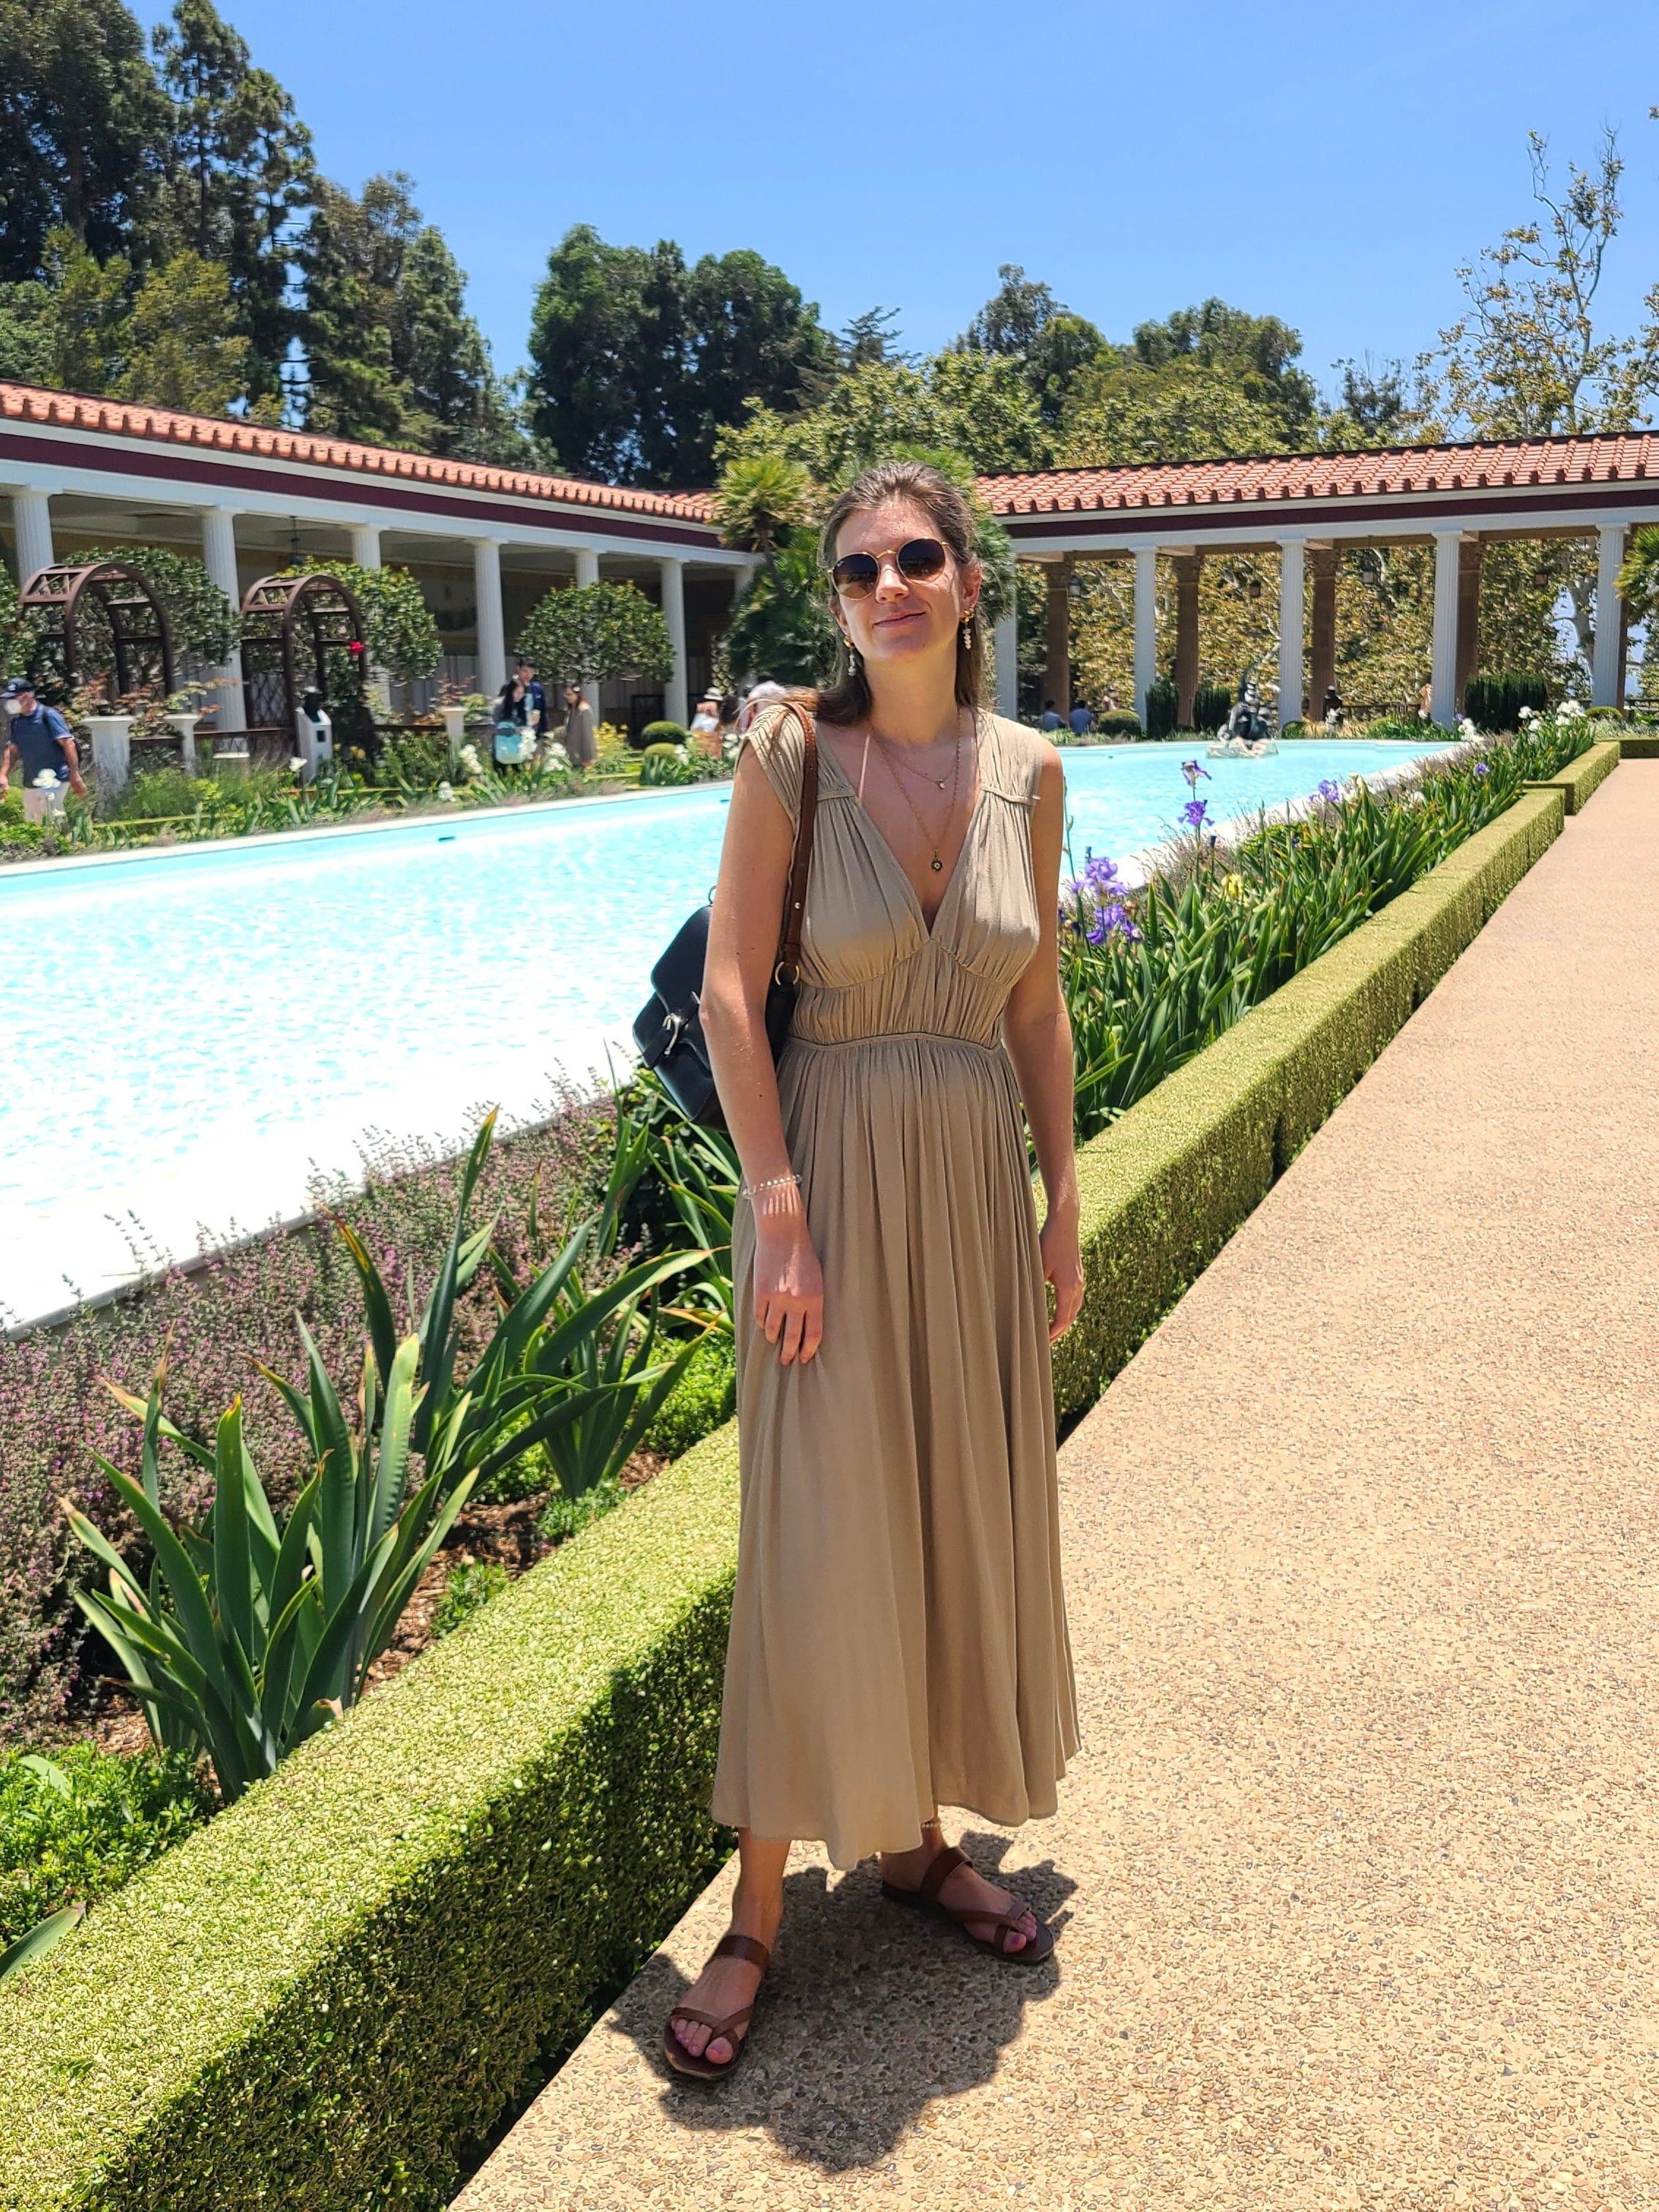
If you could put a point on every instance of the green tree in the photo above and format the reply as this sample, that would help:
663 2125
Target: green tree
1256 353
1528 357
1022 321
181 352
638 363
392 356
239 170
83 131
782 626
400 632
593 633
760 494
201 618
1125 413
87 319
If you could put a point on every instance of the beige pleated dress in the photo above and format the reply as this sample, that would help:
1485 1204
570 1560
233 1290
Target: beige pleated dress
898 1632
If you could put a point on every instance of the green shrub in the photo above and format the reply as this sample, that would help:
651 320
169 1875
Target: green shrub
469 1585
701 1400
563 1517
1119 722
75 1826
1211 704
1163 707
417 758
162 794
663 734
1494 703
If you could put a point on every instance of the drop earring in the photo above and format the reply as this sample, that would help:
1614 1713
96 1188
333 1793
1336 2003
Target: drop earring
968 633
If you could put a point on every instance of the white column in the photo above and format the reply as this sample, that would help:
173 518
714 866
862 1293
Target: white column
1146 626
1004 638
492 623
676 705
1292 565
588 572
219 559
1604 664
366 552
1442 688
31 516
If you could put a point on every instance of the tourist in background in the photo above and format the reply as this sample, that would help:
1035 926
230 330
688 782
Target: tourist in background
706 724
521 702
39 742
762 692
1050 721
1081 720
580 745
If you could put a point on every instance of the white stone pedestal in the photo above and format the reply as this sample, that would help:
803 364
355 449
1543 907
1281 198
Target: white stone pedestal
184 726
112 750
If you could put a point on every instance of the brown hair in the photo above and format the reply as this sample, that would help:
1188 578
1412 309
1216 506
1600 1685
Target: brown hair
847 699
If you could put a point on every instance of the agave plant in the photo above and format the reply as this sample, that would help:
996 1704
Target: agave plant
574 1372
250 1634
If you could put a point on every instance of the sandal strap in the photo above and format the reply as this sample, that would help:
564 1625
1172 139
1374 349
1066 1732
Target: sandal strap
939 1871
717 2028
744 1946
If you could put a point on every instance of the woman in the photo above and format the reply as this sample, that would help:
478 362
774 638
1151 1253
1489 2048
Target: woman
579 742
898 1632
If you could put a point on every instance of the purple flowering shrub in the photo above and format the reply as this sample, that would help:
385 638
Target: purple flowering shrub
216 1327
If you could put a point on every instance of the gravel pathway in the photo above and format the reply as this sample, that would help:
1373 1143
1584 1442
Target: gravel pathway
1357 1876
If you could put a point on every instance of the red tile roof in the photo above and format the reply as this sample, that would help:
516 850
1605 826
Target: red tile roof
1522 462
27 403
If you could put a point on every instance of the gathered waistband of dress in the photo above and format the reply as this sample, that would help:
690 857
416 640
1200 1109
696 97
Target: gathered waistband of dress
993 1051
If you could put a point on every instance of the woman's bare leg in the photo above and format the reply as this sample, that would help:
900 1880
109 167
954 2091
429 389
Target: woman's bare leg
726 1986
964 1891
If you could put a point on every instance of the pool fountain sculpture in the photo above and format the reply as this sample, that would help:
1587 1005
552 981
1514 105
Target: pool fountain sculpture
1248 732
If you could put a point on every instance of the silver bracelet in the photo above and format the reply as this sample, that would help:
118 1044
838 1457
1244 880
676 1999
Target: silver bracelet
774 1182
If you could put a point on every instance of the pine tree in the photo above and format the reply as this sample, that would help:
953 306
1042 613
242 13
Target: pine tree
239 172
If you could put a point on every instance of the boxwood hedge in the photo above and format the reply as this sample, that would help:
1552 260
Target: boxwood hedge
324 1997
1580 777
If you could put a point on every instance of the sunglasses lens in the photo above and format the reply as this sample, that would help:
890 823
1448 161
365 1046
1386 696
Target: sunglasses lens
855 574
921 558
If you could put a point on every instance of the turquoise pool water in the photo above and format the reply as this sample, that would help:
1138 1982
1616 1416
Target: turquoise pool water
190 1034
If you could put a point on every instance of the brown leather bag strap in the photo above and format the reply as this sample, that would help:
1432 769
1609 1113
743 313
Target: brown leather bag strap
787 969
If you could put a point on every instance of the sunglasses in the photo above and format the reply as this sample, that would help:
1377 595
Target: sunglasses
855 575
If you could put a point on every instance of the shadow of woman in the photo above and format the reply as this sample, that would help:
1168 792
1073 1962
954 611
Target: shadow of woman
868 2014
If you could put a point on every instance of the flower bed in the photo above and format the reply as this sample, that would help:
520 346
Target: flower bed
321 2000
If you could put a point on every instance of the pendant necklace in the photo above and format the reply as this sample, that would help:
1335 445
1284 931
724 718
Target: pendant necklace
954 780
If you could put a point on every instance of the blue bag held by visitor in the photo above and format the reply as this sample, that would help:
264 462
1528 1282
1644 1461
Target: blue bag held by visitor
668 1027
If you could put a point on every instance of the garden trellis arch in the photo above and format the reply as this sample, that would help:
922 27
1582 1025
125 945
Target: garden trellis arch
68 602
291 624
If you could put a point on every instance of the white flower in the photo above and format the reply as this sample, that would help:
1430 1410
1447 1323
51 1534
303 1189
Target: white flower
297 764
45 780
556 755
446 797
1527 713
468 757
1467 726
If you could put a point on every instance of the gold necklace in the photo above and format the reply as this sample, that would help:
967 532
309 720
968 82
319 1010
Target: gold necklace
893 762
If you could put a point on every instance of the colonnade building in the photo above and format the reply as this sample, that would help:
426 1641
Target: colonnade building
486 543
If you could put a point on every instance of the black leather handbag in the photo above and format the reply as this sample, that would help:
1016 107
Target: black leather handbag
668 1027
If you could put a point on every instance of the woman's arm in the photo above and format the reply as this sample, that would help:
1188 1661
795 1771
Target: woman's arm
1037 1031
742 948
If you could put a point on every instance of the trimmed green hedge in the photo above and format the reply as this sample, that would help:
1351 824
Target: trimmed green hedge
1580 777
319 2001
1638 744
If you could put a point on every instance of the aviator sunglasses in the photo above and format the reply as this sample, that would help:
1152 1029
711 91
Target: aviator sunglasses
855 575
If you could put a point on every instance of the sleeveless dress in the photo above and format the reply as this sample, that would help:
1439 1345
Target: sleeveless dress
898 1630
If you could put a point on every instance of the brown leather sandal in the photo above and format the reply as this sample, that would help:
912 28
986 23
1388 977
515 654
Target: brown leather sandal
704 2068
925 1898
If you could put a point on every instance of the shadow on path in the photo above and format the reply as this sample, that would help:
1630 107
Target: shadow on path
867 2015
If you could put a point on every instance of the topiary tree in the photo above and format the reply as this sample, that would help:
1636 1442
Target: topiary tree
204 621
402 631
595 632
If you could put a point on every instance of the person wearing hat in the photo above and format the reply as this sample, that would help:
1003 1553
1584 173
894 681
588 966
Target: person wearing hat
37 741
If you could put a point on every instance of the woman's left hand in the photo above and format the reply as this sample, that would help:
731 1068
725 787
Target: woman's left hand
1063 1265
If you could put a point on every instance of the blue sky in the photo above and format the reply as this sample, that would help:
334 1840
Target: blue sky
1328 163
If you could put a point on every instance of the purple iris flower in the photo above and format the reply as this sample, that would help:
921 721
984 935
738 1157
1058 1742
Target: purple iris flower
1192 771
1114 920
1195 812
1330 791
1481 770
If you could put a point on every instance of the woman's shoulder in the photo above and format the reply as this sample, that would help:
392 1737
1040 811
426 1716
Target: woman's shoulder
1014 758
777 738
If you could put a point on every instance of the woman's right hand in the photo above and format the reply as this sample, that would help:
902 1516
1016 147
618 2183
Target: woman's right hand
788 1285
